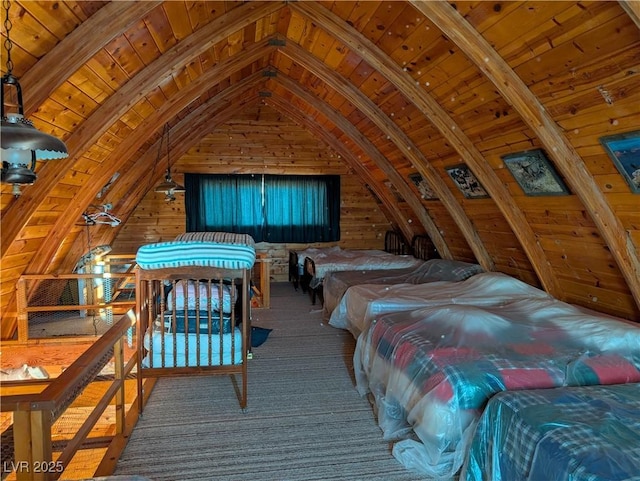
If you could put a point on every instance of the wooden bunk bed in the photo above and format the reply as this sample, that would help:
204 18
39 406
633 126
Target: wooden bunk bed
193 306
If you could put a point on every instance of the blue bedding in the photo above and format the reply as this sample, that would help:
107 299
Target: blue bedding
576 433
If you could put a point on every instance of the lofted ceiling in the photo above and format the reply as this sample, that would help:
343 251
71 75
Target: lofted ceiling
393 88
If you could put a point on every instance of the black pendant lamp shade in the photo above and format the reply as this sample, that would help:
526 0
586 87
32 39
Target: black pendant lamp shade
21 144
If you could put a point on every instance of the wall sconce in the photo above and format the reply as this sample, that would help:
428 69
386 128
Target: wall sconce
21 143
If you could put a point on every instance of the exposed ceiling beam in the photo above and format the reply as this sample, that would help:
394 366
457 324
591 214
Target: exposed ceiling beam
41 261
184 135
128 191
367 147
385 196
399 138
632 7
73 51
533 113
405 84
373 153
200 121
18 213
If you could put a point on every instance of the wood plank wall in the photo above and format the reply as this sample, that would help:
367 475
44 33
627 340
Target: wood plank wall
259 140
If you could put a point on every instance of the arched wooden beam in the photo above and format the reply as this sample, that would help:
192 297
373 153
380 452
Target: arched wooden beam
533 113
366 49
381 161
350 131
73 51
189 130
19 212
184 135
327 137
46 252
632 8
129 191
399 138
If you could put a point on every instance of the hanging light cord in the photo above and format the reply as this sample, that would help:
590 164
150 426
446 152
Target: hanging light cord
8 44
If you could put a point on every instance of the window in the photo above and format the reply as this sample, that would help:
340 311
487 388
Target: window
270 208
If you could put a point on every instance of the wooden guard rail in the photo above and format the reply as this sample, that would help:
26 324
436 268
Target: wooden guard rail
34 414
25 289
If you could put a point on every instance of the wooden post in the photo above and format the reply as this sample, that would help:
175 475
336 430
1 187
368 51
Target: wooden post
118 360
32 446
265 280
23 316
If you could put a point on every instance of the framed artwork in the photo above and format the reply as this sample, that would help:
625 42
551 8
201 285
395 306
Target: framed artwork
624 150
423 187
535 174
466 182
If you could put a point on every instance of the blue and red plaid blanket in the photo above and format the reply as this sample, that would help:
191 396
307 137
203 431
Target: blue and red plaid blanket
433 370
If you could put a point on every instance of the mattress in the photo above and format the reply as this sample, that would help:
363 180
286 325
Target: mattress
431 371
335 284
362 303
352 259
200 295
192 350
579 433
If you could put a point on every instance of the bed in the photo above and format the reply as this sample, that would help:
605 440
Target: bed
360 304
431 371
336 283
193 313
580 433
421 247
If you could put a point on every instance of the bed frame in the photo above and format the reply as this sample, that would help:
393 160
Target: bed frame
394 243
423 248
294 275
210 353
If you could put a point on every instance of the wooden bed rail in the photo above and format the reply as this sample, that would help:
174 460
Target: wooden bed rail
34 414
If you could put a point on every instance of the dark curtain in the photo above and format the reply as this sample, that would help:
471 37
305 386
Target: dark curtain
224 203
270 208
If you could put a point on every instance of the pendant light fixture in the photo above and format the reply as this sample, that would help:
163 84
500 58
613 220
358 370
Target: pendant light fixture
21 143
169 187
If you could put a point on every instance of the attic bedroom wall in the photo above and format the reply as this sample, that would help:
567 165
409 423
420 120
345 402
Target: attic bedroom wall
570 55
259 140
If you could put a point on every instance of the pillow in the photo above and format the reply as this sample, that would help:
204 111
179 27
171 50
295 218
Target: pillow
163 255
188 300
219 237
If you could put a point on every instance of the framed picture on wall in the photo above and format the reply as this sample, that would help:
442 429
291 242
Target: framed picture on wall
534 173
466 182
624 150
423 187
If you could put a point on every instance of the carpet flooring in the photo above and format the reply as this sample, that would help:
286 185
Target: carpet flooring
304 420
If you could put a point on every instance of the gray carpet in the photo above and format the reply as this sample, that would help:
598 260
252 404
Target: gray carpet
304 421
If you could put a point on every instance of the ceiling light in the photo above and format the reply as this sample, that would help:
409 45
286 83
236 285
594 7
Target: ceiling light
21 143
169 186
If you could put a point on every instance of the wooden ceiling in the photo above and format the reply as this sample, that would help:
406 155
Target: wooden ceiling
394 88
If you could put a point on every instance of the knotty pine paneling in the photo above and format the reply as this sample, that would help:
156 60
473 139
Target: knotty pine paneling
362 225
259 140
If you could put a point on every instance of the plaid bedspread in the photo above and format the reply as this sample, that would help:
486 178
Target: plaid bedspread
580 433
437 379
